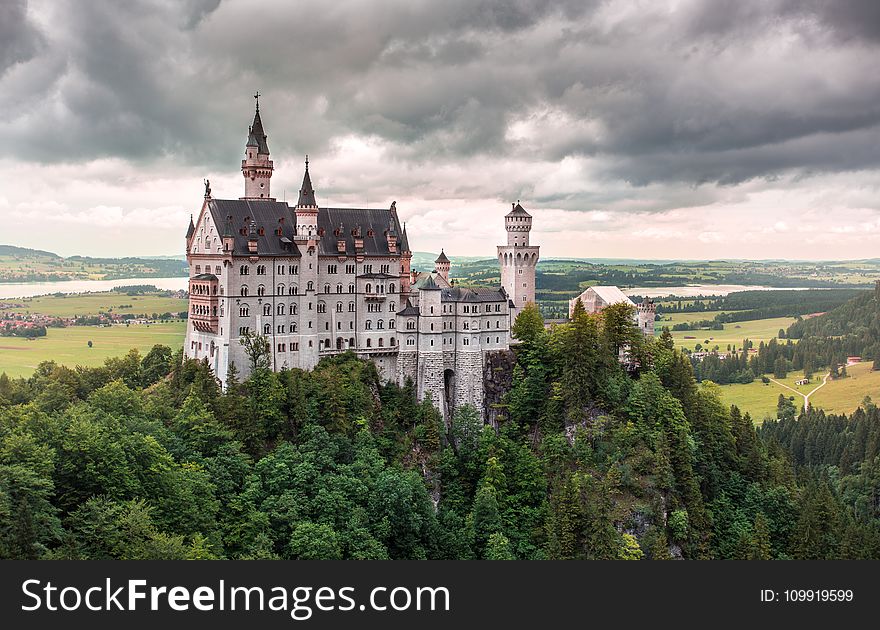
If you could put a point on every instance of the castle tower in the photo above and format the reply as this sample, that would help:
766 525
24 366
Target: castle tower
256 166
307 239
518 259
405 261
647 310
441 266
430 344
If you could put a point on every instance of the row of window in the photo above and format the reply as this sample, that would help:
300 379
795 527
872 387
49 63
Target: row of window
208 269
466 308
245 270
294 289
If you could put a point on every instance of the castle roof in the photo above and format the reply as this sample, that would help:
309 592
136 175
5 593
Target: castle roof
258 134
191 229
237 214
404 240
478 294
442 258
609 294
439 280
518 211
307 193
427 284
409 310
205 276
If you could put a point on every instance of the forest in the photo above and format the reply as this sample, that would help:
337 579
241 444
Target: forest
592 457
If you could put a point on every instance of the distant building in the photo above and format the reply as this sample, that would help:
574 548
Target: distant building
596 298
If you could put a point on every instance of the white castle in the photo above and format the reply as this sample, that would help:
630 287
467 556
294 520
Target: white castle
318 281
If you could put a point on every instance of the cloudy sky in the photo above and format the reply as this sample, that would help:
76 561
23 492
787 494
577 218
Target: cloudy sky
645 129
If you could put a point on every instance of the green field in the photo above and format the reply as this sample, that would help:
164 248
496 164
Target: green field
69 346
94 303
757 330
837 396
669 319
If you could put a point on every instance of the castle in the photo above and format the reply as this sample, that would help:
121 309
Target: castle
596 298
317 281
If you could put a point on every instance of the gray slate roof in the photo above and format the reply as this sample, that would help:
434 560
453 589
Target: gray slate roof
518 211
458 294
235 214
257 131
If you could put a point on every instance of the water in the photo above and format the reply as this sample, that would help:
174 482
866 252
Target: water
32 289
694 290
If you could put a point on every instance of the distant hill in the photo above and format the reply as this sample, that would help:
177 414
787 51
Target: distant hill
22 264
859 316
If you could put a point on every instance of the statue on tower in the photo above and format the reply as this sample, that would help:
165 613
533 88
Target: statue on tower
207 189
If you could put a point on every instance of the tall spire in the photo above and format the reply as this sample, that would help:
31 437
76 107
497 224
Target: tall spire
256 130
307 193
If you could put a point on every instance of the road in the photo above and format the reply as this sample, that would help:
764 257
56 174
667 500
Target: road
806 397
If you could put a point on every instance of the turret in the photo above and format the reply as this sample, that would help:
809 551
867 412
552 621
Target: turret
441 265
518 259
518 224
306 209
646 312
256 166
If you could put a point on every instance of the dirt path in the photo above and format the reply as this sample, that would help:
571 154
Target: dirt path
806 397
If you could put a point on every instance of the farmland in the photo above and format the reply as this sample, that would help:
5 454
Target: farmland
95 303
757 330
69 346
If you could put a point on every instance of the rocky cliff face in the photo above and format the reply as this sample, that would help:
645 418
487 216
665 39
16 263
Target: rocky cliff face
497 381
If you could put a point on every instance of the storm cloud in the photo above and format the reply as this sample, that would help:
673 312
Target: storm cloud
629 106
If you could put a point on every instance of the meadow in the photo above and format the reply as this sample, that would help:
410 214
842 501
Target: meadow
837 396
69 346
733 334
95 303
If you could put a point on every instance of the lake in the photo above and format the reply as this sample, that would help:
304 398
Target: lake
32 289
694 290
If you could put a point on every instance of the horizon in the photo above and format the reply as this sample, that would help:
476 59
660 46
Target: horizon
746 132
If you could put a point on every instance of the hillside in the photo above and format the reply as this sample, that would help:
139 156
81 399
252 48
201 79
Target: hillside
20 264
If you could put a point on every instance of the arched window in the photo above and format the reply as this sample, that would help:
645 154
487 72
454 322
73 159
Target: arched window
267 309
243 310
326 288
369 343
293 309
393 342
322 307
244 290
261 290
280 289
280 309
339 307
390 323
391 288
381 342
369 288
293 327
267 329
351 307
244 270
339 288
294 290
368 325
310 286
351 288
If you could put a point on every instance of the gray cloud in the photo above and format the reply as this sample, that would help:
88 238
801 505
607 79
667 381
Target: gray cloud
692 93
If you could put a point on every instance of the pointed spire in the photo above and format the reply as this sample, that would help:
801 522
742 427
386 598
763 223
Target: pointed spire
307 193
442 257
404 241
257 132
192 227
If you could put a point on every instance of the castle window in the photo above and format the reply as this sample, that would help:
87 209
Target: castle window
351 288
294 347
293 309
349 269
331 268
339 307
465 341
310 286
310 306
391 288
261 290
280 270
267 329
369 288
393 341
280 309
339 288
261 270
294 290
385 268
280 347
497 308
368 325
390 323
392 307
369 343
267 309
410 324
370 233
243 310
242 331
281 329
198 269
380 324
293 327
487 340
351 325
293 269
351 342
410 341
326 288
351 307
338 325
497 339
280 289
322 307
368 268
244 290
381 342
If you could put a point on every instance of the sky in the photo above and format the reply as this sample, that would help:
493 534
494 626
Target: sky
629 129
